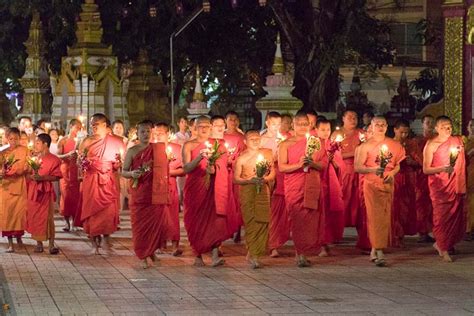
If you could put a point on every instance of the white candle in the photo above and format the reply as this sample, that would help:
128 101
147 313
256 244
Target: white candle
339 138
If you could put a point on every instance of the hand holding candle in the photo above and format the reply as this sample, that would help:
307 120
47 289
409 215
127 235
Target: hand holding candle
312 145
384 158
453 156
169 153
262 169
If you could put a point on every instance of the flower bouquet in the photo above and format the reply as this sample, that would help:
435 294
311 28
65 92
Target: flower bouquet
453 156
335 145
384 158
34 163
213 154
8 162
262 168
313 144
169 154
143 169
83 162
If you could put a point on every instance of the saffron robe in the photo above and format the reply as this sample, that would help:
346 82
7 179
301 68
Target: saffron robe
363 241
173 209
150 201
205 204
378 195
302 194
41 198
100 187
447 193
13 195
424 207
255 212
349 179
69 183
331 201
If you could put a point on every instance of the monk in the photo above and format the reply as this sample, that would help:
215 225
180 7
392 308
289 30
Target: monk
350 182
234 139
331 202
470 180
424 208
100 190
271 133
69 183
313 118
173 152
41 196
403 214
255 203
13 192
286 127
447 183
379 184
146 164
302 190
206 194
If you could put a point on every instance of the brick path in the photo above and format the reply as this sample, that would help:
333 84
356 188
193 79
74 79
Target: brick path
79 283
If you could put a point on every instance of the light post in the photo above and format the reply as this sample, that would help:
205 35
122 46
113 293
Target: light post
172 36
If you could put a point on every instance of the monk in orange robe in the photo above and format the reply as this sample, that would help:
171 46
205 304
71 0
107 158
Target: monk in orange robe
69 183
255 195
206 193
41 196
403 214
444 163
379 160
146 164
234 139
13 189
173 152
424 208
302 190
469 148
100 189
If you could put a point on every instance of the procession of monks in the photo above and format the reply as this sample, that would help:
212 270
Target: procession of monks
300 179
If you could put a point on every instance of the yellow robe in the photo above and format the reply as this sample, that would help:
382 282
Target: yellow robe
13 198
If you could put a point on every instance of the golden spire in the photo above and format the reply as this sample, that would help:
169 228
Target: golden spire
198 95
278 64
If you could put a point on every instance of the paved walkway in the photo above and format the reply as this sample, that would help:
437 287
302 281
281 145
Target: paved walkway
79 283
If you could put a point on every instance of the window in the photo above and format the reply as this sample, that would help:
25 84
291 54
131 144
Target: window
406 40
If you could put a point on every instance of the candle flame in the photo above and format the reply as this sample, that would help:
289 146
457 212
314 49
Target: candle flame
81 118
47 125
168 149
226 145
30 144
339 138
260 158
337 128
2 131
384 148
454 151
307 135
207 144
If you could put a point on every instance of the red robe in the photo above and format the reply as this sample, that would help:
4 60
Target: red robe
100 190
302 193
447 193
176 163
404 198
149 202
331 201
41 197
350 181
424 207
205 204
234 218
69 184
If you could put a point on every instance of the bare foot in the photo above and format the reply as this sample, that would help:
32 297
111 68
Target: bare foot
198 262
145 264
274 253
325 252
435 246
255 264
303 262
217 262
373 255
10 250
447 257
153 258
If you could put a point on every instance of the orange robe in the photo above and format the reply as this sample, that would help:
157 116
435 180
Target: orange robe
205 204
69 184
424 208
378 195
404 216
150 202
13 195
363 241
100 188
350 181
331 202
41 196
302 193
175 163
446 191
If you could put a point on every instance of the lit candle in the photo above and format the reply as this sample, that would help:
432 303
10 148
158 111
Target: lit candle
384 149
307 135
47 125
169 152
30 145
337 128
226 146
339 138
121 152
207 144
454 151
260 158
362 137
81 118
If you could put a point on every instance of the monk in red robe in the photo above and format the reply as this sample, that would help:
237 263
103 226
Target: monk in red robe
379 160
146 164
173 152
424 208
313 118
331 202
41 196
69 183
234 140
445 164
206 193
13 189
403 214
101 160
302 189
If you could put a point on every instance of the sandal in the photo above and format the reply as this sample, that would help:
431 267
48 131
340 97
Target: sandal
380 263
39 249
53 251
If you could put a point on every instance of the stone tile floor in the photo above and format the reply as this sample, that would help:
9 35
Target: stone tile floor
77 282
